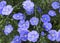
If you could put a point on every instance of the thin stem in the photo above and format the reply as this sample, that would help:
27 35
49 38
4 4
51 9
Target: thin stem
36 16
35 10
17 5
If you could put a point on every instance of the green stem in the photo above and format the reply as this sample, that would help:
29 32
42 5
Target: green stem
17 5
35 10
36 16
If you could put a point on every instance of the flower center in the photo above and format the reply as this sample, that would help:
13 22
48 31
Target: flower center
32 36
52 34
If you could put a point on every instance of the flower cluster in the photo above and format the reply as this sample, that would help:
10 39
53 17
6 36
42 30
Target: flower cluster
5 9
23 24
53 35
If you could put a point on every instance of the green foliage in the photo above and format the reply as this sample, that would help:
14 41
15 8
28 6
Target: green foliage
17 4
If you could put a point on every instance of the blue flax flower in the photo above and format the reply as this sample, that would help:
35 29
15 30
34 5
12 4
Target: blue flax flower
16 39
39 9
7 10
34 21
28 6
29 12
47 26
42 33
20 29
33 36
45 18
52 13
8 29
22 21
52 35
58 38
18 16
2 4
55 5
24 35
24 25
